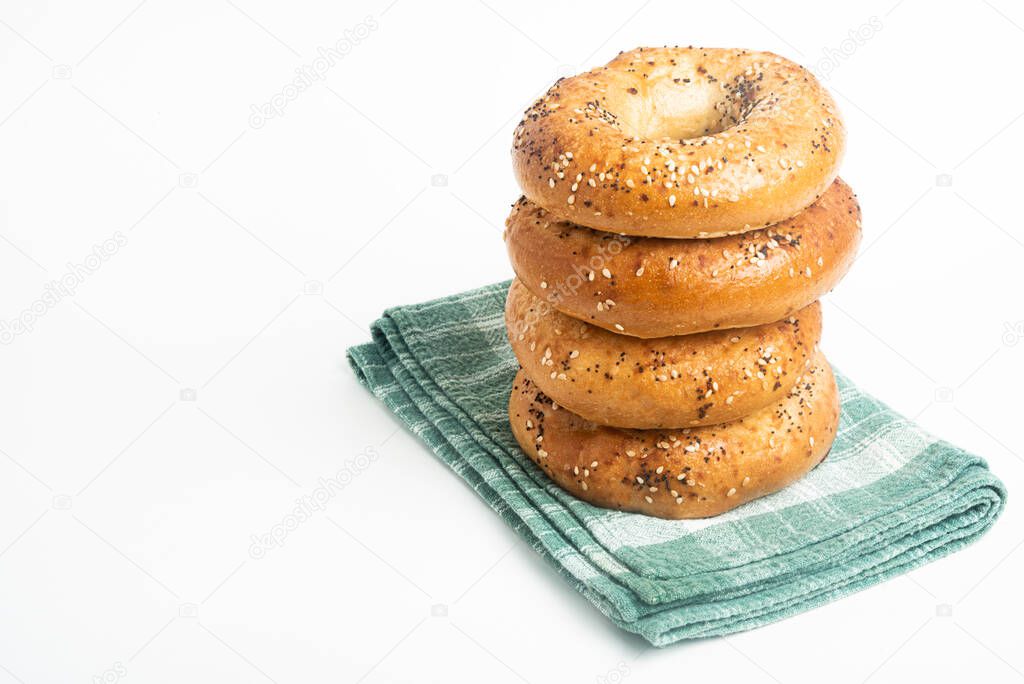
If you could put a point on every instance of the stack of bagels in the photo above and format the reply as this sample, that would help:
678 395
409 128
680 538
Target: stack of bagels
681 217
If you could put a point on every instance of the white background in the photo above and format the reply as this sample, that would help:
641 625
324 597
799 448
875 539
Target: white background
255 255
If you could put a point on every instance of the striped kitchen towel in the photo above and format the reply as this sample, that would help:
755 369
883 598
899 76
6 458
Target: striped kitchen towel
888 498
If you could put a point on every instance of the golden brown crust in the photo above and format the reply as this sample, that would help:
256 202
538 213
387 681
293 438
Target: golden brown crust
661 287
688 473
665 382
680 142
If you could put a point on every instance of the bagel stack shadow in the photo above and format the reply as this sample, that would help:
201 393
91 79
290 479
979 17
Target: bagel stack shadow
681 217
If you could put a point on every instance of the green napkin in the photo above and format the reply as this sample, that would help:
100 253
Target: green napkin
888 498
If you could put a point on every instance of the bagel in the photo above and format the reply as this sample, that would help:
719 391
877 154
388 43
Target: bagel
688 473
658 287
680 142
666 382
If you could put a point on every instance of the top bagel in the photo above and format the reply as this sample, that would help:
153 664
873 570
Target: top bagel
680 142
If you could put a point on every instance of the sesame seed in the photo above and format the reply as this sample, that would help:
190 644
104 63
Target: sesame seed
639 480
731 492
648 499
571 199
619 327
639 271
606 273
574 354
543 284
671 200
584 485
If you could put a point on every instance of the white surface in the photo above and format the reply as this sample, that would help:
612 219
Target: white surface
123 505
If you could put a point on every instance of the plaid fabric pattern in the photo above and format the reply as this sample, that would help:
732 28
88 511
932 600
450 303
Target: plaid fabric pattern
888 498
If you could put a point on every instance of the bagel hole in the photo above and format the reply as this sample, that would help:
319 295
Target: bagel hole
680 112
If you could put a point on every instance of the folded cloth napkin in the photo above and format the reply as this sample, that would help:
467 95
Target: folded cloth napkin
888 498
